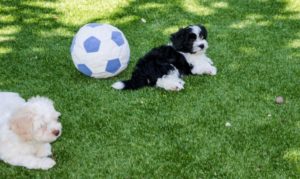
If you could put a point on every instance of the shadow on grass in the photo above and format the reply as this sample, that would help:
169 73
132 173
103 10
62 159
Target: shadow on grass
33 45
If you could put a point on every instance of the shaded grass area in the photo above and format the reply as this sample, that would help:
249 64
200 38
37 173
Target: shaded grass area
150 132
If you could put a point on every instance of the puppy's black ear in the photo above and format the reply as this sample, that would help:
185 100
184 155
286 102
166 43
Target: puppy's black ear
203 31
178 38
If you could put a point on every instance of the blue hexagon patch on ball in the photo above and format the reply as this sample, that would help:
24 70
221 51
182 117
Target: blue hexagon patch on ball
84 69
117 38
113 65
91 44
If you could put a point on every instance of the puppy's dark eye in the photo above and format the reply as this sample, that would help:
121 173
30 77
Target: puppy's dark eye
192 36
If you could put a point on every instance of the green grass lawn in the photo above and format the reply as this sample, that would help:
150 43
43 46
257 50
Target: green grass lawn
152 133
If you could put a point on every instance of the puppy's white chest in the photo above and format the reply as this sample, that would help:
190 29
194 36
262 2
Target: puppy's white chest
196 60
201 64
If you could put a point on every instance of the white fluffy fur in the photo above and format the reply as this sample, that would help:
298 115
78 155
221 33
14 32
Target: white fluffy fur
171 82
200 62
26 131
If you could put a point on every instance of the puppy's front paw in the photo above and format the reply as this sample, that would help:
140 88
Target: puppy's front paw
46 163
213 71
175 86
178 86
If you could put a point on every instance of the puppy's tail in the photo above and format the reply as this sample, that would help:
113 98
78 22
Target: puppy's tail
131 84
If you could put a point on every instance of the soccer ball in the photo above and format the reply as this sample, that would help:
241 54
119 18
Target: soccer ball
100 50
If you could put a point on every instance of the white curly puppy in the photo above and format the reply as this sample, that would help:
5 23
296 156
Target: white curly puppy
26 130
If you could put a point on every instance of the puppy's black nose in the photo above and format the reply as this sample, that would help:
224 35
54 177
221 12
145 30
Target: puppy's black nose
201 46
56 132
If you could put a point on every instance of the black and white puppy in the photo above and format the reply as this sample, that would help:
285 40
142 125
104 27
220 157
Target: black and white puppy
164 66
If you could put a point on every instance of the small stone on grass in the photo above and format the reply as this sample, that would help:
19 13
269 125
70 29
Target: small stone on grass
228 124
279 100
